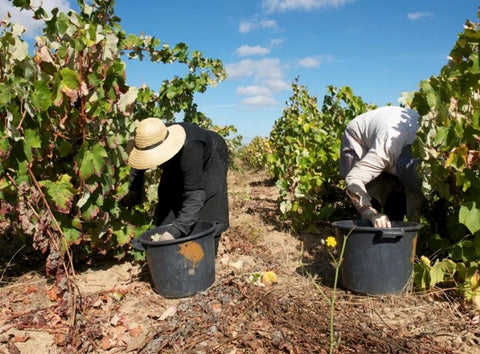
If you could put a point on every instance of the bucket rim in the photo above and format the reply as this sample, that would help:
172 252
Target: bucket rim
396 226
146 242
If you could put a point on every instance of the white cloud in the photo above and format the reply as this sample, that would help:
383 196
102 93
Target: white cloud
253 90
263 68
413 16
246 50
267 76
277 84
275 42
286 5
309 62
247 26
25 17
315 61
260 101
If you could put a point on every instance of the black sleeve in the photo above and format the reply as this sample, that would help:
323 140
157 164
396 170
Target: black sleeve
135 179
191 165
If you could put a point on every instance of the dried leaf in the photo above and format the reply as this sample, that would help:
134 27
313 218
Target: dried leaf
107 342
60 339
116 320
31 289
217 308
20 339
44 55
134 332
171 311
52 293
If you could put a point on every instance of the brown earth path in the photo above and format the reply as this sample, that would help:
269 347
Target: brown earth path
120 313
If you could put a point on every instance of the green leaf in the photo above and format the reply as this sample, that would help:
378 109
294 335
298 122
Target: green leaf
93 79
92 161
469 215
70 78
124 234
441 135
91 212
476 242
32 140
62 23
22 3
442 271
40 13
5 95
41 97
60 193
421 276
64 147
457 158
463 250
4 146
71 235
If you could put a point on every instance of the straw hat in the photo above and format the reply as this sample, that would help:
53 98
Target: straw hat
155 143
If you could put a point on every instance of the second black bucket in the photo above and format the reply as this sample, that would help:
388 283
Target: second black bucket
377 261
181 267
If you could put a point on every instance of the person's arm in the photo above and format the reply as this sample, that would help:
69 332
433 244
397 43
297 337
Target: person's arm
364 171
191 165
135 188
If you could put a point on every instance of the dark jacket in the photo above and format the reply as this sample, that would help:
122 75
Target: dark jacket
193 184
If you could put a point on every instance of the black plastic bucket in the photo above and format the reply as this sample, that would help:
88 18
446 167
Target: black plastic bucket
377 261
181 267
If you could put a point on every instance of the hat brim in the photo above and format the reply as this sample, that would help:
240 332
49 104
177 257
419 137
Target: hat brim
145 159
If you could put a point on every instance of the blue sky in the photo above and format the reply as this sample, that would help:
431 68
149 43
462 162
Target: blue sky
379 48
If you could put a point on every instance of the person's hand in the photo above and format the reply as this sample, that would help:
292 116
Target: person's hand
378 220
131 199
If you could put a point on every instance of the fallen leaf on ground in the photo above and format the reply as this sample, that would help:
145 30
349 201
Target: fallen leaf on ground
172 310
52 293
19 339
107 343
269 278
134 332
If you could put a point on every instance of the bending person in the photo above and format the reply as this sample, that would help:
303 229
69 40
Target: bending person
193 183
378 166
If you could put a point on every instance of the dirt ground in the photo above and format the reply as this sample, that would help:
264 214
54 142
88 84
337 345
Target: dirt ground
119 312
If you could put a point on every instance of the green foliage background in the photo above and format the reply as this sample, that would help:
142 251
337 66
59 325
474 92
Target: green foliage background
305 148
66 115
448 144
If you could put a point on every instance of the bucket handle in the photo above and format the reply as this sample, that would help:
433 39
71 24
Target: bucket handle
393 233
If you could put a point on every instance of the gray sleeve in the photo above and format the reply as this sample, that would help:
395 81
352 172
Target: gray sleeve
364 171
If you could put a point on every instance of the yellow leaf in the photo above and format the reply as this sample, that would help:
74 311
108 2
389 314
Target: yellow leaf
476 301
457 158
269 278
425 260
475 280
